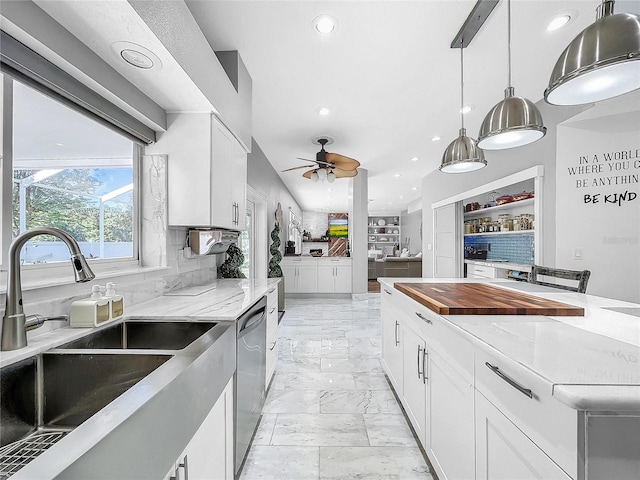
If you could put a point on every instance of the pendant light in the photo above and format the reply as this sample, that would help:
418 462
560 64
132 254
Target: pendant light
462 155
513 122
602 62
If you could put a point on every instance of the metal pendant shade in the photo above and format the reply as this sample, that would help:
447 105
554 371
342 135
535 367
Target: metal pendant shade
602 62
514 121
462 155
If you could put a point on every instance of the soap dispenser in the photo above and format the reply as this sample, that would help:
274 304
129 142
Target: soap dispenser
90 312
116 301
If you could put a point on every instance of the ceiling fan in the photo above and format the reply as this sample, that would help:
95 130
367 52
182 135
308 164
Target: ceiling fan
328 165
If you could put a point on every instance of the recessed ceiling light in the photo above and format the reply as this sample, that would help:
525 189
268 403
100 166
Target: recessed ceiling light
436 138
136 55
414 188
59 144
466 109
323 111
401 197
325 24
396 175
561 19
414 159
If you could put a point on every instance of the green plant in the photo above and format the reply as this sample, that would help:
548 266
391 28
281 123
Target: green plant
274 264
231 266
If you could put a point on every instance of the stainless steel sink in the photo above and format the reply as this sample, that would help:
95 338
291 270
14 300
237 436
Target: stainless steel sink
152 335
56 392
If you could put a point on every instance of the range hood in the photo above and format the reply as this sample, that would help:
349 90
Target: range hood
206 242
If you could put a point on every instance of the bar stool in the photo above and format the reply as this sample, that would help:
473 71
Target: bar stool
581 276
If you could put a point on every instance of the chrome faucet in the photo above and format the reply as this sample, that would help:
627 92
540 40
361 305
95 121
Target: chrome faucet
14 329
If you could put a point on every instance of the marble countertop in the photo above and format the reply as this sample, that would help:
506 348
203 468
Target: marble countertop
521 267
221 300
592 361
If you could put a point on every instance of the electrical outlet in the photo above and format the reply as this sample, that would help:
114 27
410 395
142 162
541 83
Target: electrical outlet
429 247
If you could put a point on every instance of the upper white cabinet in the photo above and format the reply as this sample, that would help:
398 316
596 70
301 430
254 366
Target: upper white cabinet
207 172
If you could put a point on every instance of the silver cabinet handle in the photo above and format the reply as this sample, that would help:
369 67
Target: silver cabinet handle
273 346
387 291
272 310
510 381
272 290
424 365
419 352
424 318
396 333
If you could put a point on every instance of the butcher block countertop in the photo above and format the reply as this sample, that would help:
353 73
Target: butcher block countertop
482 299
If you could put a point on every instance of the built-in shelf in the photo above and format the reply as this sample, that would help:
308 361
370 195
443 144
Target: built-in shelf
510 232
481 212
377 242
316 240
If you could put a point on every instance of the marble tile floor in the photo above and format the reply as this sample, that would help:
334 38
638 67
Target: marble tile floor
330 412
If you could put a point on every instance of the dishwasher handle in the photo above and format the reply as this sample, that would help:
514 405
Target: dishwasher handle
252 321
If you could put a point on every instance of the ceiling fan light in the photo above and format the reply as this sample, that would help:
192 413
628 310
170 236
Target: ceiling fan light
322 173
462 155
331 177
314 176
602 62
512 122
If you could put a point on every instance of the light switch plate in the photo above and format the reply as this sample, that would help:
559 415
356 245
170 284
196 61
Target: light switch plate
577 253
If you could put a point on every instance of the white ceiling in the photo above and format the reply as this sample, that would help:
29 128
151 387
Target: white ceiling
388 74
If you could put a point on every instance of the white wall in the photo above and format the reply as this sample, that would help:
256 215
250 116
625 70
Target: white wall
598 202
410 228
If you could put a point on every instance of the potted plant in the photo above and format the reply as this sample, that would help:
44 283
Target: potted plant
274 263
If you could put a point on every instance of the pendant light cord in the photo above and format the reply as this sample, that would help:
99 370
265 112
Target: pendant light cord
509 42
462 81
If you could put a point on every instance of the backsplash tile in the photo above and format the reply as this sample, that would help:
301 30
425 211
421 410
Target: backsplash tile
515 248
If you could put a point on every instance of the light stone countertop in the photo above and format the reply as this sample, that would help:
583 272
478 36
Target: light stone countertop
593 362
221 300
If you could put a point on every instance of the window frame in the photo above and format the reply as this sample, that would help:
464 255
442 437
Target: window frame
57 272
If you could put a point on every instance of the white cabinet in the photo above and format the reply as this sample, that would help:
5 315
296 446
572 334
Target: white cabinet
391 357
414 392
504 452
272 334
209 453
334 275
316 275
450 431
480 271
207 172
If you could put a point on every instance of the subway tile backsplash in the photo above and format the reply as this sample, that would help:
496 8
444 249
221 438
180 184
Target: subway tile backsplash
516 248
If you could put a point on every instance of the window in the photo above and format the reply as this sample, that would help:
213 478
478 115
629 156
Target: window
70 172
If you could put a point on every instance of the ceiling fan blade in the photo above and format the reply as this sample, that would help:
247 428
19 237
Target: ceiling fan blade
296 168
341 162
345 173
306 159
308 174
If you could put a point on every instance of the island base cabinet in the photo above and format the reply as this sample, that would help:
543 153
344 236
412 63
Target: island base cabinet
209 453
414 381
503 452
450 435
391 346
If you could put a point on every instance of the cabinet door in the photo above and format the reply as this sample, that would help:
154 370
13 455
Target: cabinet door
414 391
343 279
290 274
326 277
450 424
222 175
209 454
392 348
239 185
307 278
503 452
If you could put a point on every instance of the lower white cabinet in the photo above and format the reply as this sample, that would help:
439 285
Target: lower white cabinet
209 453
334 276
503 452
272 335
391 357
414 391
316 275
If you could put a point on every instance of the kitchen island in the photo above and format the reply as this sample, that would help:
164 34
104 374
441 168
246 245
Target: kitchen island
149 429
518 396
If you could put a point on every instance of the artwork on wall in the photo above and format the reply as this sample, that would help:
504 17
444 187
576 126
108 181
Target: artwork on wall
338 234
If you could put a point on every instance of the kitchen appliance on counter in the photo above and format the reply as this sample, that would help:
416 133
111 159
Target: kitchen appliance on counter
205 242
251 329
476 252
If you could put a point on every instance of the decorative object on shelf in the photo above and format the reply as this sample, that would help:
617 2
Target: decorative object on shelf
231 266
602 62
329 166
514 121
316 252
274 264
522 196
291 247
462 155
382 222
491 199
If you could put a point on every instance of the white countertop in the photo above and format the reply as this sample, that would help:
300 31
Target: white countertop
591 360
221 300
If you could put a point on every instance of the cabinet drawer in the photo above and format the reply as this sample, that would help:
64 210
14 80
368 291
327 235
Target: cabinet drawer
526 399
480 271
272 317
272 355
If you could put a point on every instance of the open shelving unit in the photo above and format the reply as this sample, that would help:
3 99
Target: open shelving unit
383 231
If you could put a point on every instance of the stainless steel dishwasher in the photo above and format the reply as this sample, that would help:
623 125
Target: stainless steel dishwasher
250 374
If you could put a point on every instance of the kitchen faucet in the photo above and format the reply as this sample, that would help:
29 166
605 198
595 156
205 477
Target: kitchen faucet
14 321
